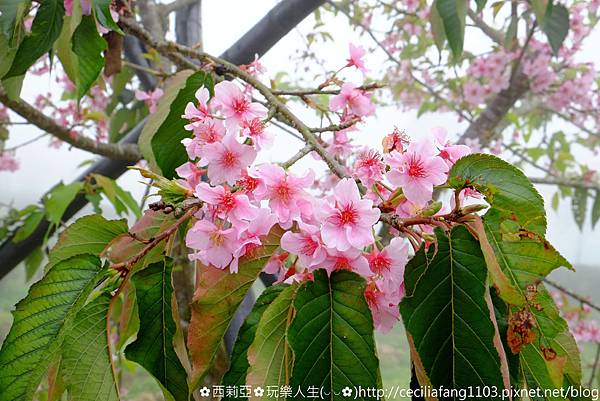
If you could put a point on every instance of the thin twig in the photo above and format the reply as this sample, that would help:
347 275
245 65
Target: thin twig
125 267
127 152
301 153
572 294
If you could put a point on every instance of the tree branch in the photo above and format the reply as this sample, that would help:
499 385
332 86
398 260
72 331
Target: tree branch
170 49
166 9
565 182
128 152
495 35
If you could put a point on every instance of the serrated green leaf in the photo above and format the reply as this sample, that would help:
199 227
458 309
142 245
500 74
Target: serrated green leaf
11 16
86 358
525 259
117 196
556 25
596 210
33 261
29 225
153 348
217 297
59 199
103 15
88 45
160 141
270 357
579 206
236 375
552 333
447 317
87 235
453 14
39 324
332 336
45 29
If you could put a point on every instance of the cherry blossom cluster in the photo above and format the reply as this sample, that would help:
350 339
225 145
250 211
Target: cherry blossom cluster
584 328
329 223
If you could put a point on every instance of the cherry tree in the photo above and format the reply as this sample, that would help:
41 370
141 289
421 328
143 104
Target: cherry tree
435 234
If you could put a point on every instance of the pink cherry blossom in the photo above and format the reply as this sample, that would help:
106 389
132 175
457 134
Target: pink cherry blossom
356 58
307 244
276 265
190 173
236 206
285 192
383 299
235 105
352 98
197 114
255 130
150 98
250 234
212 245
208 131
389 263
226 160
348 219
417 170
369 167
8 162
352 260
86 7
450 153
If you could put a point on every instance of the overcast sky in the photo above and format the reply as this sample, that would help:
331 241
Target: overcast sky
41 166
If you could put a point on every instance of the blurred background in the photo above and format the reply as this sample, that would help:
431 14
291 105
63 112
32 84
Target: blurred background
223 22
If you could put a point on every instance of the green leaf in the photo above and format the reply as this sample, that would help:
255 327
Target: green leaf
117 196
548 370
480 4
217 297
579 206
63 46
59 199
86 358
45 29
524 256
124 245
596 210
236 375
556 25
160 141
453 14
88 45
270 356
29 225
102 13
447 317
11 15
153 348
87 235
33 261
437 30
39 324
539 9
332 336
